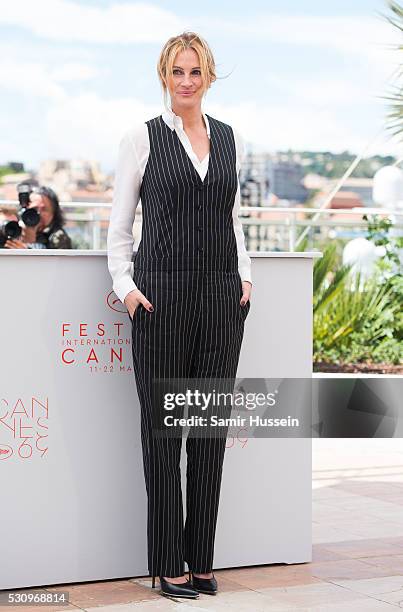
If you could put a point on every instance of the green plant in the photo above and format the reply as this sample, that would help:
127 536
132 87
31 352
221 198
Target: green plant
389 267
354 319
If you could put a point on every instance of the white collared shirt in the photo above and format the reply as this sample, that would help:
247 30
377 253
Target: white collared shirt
134 150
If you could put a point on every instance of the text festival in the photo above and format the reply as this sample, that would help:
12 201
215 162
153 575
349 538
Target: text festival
94 339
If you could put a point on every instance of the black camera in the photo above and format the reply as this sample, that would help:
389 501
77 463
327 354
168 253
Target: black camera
9 229
29 216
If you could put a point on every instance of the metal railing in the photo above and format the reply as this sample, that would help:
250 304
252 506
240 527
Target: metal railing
88 226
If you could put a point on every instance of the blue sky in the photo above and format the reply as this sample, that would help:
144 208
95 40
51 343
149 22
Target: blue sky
304 75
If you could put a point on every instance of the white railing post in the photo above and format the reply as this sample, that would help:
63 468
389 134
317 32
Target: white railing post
292 231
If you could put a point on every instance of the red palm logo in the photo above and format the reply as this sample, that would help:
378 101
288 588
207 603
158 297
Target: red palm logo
5 451
114 303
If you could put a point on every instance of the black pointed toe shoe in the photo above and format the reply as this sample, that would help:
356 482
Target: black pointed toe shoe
204 585
184 589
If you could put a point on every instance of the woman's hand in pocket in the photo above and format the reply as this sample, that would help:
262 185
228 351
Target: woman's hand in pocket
246 292
133 299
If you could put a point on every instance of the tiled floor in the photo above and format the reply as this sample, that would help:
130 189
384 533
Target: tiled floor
357 548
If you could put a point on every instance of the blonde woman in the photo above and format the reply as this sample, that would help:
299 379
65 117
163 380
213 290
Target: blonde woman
187 295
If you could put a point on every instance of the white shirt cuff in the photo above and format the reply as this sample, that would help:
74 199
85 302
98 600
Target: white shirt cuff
123 286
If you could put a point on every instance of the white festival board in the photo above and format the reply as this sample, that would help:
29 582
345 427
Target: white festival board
73 494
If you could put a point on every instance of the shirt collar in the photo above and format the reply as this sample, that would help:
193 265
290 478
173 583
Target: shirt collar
174 121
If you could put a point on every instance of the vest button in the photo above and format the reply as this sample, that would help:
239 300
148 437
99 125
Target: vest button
200 248
199 187
199 227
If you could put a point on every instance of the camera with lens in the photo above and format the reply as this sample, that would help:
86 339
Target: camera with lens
9 230
29 216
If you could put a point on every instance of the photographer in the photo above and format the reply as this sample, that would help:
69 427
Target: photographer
49 232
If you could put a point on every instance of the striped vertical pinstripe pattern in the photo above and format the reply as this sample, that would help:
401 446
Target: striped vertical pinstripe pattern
186 265
187 220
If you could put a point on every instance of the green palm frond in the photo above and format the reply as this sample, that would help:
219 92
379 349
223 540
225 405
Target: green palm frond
323 265
328 279
358 306
335 286
394 116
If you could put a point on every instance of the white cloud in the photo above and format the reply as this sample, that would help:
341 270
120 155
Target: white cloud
35 79
315 112
88 126
29 79
366 38
119 23
318 91
74 71
346 33
362 37
274 127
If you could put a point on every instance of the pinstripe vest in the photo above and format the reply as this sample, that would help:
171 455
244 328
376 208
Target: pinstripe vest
187 222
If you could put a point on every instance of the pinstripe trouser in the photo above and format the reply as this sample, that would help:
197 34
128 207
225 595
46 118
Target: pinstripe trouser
196 330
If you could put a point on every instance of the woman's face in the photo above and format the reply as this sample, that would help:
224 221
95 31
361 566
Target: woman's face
45 209
185 84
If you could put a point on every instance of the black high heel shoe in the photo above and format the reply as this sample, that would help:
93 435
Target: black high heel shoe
204 585
184 589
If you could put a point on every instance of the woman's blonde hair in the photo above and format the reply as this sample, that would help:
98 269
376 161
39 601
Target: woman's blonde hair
186 40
